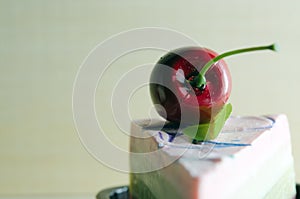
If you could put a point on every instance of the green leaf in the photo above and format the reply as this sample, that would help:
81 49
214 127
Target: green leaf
211 130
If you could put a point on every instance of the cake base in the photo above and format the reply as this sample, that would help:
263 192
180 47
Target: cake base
122 192
282 189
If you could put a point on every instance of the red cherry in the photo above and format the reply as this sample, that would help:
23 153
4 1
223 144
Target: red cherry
172 90
192 84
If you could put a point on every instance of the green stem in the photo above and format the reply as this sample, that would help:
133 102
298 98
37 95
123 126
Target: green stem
201 81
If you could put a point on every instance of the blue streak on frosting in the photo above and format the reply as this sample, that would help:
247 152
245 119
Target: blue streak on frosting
272 119
172 136
260 123
227 143
160 136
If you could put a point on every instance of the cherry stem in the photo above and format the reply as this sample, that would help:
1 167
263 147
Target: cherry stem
200 79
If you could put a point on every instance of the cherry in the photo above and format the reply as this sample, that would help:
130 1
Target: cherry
192 82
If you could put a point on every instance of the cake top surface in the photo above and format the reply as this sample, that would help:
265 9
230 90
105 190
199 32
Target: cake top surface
239 134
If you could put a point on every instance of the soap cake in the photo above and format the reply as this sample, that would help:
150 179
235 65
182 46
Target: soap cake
251 158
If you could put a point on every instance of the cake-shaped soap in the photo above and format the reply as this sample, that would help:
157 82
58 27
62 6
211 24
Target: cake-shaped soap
251 158
199 151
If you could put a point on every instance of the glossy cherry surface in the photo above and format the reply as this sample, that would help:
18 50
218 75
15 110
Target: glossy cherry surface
172 86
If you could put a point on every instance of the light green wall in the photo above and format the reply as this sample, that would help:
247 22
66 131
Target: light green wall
43 43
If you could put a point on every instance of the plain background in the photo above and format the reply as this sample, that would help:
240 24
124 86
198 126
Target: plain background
43 43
